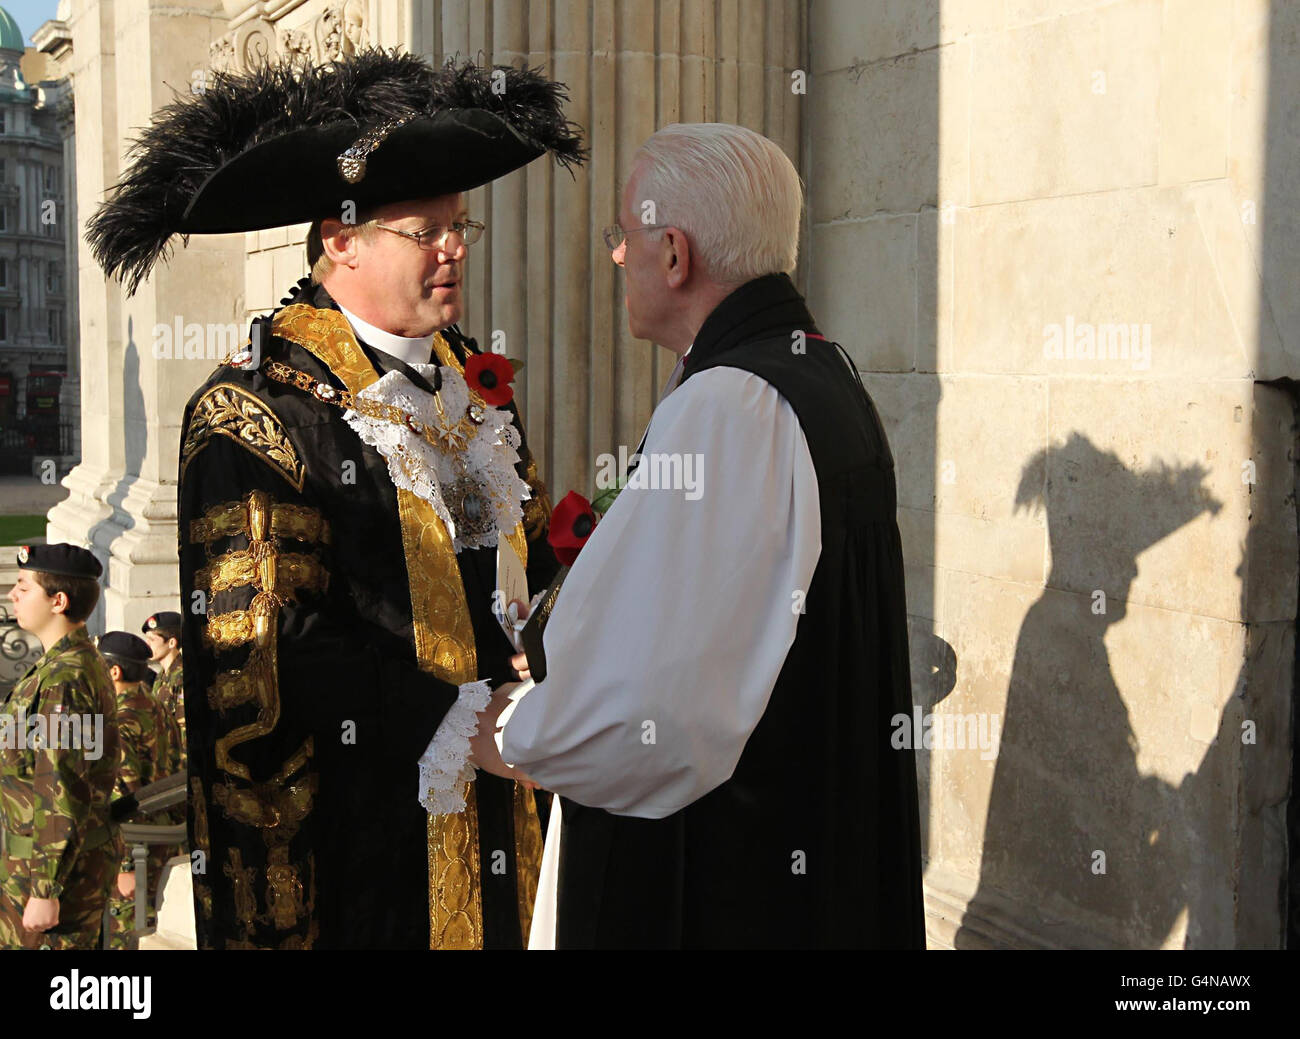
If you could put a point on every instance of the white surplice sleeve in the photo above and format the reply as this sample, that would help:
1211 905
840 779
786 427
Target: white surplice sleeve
673 625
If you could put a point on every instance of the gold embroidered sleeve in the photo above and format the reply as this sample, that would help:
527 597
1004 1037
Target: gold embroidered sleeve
275 577
230 411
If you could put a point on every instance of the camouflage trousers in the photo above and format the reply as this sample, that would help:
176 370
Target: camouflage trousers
81 906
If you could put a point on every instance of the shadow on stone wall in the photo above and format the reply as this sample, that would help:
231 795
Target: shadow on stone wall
135 442
1067 785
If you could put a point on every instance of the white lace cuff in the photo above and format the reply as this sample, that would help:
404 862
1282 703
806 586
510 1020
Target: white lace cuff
444 768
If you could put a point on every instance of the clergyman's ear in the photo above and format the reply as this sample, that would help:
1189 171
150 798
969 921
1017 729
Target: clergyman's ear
676 257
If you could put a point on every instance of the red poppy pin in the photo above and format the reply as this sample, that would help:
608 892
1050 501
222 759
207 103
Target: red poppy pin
489 375
572 522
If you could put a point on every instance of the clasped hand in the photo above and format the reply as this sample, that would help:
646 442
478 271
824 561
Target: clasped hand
483 750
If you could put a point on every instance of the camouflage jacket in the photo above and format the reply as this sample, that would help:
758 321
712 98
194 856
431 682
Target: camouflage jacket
59 751
170 694
145 747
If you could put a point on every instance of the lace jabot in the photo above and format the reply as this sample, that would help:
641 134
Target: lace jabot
468 475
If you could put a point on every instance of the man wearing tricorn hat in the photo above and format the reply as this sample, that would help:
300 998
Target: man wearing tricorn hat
58 758
351 486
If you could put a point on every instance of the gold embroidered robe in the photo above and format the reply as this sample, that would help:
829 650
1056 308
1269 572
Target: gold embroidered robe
328 625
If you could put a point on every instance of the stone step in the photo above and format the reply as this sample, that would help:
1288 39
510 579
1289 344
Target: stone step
175 927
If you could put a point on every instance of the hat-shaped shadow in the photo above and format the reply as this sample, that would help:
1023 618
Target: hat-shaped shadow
1080 848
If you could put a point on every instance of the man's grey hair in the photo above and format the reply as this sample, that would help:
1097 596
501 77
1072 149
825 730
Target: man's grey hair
734 192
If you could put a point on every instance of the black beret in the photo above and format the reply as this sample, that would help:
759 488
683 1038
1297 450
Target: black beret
66 560
168 620
124 645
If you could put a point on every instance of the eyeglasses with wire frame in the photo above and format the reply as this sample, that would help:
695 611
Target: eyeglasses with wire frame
614 235
468 231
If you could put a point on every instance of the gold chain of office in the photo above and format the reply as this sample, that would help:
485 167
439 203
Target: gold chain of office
453 437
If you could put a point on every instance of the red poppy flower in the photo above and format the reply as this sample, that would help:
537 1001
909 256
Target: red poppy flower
572 522
489 375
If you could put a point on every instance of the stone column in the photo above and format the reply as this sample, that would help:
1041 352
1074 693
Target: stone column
70 392
542 277
91 63
131 57
54 39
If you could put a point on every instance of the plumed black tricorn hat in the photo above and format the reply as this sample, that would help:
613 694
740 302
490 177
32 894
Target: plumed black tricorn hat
286 142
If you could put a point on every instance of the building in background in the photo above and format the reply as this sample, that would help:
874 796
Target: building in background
37 323
1060 240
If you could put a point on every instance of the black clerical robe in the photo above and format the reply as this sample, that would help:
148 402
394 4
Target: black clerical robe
814 839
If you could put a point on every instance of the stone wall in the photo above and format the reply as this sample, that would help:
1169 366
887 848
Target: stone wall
1101 540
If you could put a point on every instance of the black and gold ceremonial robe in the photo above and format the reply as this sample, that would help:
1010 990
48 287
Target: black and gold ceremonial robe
329 623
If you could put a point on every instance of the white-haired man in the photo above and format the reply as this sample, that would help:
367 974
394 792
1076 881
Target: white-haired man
724 660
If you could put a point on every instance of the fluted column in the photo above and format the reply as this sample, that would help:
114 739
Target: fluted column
131 56
54 39
542 276
92 65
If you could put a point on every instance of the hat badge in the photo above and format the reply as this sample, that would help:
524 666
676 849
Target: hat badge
352 163
152 622
24 551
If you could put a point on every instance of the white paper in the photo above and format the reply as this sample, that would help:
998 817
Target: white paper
512 585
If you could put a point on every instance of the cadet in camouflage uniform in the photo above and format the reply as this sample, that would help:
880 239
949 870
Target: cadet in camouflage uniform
163 633
145 755
58 759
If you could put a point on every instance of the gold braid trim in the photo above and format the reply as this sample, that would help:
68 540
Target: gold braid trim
200 814
260 620
230 519
537 509
241 883
446 355
232 412
232 688
268 805
527 826
284 890
444 644
327 336
528 856
228 630
239 570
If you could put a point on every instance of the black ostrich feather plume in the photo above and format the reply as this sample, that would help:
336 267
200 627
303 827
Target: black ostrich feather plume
197 134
